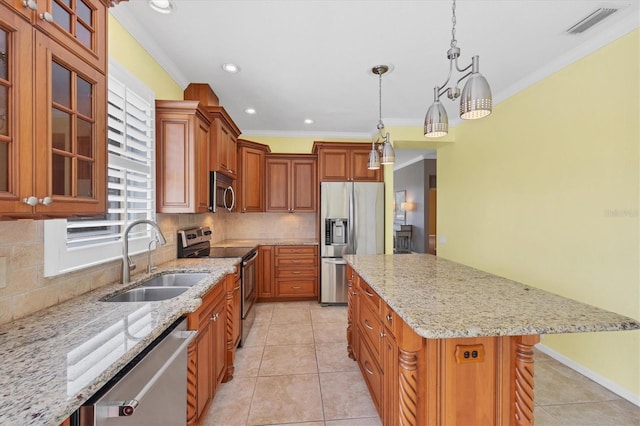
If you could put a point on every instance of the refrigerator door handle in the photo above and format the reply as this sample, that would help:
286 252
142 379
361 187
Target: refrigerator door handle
352 220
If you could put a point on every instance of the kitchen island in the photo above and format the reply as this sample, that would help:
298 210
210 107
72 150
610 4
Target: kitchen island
442 343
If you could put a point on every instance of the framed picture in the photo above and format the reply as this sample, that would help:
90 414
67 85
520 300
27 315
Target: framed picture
399 215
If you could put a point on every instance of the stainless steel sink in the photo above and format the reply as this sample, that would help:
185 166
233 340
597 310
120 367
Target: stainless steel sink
147 294
187 279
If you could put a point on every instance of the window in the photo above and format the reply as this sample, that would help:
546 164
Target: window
78 243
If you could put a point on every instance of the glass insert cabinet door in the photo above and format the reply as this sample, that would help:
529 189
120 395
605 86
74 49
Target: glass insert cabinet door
69 148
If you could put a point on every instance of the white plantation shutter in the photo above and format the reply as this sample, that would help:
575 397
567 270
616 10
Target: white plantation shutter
130 183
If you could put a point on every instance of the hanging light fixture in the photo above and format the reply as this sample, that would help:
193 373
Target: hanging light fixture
380 141
475 100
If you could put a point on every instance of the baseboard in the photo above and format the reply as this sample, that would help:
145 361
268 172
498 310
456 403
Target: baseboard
602 381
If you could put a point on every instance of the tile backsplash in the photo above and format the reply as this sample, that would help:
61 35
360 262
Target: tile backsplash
24 289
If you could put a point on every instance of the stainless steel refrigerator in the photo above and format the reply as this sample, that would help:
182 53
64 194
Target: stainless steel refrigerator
351 222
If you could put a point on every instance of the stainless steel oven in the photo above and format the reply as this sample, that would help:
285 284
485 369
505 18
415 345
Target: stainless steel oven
195 243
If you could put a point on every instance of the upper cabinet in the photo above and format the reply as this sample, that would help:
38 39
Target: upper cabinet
53 108
251 176
345 162
224 132
291 183
182 157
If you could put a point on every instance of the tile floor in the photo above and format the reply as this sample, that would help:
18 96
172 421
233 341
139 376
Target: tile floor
293 370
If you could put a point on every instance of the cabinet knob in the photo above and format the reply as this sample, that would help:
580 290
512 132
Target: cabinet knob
389 317
45 201
382 334
32 201
31 4
46 16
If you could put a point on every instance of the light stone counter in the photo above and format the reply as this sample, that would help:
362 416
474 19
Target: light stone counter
268 242
56 359
438 298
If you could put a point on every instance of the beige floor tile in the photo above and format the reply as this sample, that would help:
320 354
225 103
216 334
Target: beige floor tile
329 314
332 357
330 332
230 406
263 313
601 413
290 334
257 335
346 396
286 399
366 421
555 384
289 359
291 316
247 362
292 305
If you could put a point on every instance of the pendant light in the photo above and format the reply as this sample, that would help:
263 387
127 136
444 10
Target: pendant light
475 99
381 141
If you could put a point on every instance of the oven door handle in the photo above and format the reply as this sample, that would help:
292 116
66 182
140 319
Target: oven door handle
128 406
251 259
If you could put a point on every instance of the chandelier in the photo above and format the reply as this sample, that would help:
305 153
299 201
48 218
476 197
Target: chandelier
380 141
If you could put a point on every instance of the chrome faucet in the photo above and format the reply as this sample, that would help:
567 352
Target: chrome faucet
127 263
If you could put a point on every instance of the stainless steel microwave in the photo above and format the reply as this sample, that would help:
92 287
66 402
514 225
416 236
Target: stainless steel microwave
221 194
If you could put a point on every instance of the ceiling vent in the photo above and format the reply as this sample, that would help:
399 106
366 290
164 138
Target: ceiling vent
592 19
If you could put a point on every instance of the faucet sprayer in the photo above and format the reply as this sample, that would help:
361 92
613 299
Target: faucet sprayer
127 263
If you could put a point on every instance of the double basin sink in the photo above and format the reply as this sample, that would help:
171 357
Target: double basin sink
161 287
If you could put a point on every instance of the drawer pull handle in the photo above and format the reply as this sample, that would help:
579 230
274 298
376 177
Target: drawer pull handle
296 272
367 293
367 369
296 287
366 324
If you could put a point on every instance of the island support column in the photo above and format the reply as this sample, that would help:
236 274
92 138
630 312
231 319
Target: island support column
479 380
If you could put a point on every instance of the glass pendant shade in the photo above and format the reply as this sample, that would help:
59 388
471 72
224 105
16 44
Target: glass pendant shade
374 159
476 100
436 122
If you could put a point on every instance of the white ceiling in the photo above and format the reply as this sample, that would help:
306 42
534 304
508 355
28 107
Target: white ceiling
313 58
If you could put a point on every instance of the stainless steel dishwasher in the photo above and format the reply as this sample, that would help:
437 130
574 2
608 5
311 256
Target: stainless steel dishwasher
150 390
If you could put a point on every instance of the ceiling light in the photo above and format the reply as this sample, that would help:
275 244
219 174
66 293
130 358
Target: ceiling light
308 121
380 141
475 99
250 111
232 68
162 6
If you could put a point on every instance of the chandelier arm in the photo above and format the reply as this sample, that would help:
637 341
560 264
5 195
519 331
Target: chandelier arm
443 87
464 76
465 68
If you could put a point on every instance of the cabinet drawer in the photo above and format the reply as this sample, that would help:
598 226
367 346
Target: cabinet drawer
297 273
305 287
371 327
289 262
295 250
390 319
371 372
370 296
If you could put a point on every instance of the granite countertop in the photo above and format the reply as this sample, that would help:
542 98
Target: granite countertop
57 358
438 298
267 242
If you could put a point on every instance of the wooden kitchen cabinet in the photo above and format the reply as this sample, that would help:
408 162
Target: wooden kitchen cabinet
291 183
224 140
182 157
234 319
296 272
53 110
207 352
265 280
251 176
345 162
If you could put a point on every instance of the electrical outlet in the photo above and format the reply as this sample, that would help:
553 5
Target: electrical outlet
3 272
469 353
442 240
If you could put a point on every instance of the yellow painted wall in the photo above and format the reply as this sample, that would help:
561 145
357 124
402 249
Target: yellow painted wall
546 191
131 55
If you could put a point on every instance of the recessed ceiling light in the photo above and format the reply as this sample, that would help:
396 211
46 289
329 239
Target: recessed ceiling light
250 111
162 6
308 121
232 68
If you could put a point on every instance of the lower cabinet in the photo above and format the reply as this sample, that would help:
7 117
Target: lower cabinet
265 273
288 272
234 320
207 353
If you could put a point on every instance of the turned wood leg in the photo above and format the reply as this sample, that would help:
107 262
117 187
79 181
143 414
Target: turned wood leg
408 387
524 380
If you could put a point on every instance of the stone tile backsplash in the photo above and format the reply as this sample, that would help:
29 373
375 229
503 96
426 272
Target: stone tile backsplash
25 289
